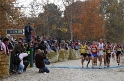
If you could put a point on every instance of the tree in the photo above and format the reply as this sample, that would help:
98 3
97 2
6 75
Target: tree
87 22
69 16
5 11
10 16
114 16
49 20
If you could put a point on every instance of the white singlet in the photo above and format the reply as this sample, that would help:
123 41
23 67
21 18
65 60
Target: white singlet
101 48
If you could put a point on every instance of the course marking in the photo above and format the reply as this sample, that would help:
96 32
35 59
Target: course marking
78 67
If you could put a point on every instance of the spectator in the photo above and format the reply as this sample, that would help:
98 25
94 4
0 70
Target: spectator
21 57
28 31
26 59
39 61
10 47
4 62
42 46
19 46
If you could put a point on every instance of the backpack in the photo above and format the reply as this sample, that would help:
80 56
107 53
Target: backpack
16 60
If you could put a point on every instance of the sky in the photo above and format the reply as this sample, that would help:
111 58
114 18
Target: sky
26 9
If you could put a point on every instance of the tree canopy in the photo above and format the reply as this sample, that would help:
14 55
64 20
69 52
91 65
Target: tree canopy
84 20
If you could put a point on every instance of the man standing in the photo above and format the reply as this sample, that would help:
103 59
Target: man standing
28 32
10 47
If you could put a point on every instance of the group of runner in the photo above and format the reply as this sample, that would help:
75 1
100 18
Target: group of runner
102 50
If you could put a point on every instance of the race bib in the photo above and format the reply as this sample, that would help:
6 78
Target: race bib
108 51
119 49
88 51
93 50
83 50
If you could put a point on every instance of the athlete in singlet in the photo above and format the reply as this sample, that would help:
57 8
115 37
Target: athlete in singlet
83 53
108 53
94 51
88 49
104 51
122 50
114 51
100 52
119 51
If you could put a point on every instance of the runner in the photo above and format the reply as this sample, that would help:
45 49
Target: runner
122 50
94 51
83 53
88 53
100 52
114 51
108 53
119 51
104 51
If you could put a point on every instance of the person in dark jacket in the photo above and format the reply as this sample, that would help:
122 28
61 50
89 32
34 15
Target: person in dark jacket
42 46
26 60
28 31
20 47
10 47
39 61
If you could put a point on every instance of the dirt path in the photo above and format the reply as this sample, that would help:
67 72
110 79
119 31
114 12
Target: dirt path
71 71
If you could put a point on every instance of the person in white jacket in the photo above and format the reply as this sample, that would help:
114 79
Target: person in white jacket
21 66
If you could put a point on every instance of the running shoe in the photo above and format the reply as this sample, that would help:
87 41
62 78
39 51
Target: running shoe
118 64
44 73
100 67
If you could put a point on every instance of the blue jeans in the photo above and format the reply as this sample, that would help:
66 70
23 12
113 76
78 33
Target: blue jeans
45 69
21 67
28 38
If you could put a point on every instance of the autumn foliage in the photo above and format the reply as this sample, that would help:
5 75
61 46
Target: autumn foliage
80 20
10 16
87 23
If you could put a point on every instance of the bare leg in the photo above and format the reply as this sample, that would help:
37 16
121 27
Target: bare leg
100 60
82 60
104 60
108 61
88 61
113 56
118 60
92 62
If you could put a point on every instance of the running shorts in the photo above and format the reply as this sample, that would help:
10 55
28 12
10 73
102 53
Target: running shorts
118 53
85 54
94 55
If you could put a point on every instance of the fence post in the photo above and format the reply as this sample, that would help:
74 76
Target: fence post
31 57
